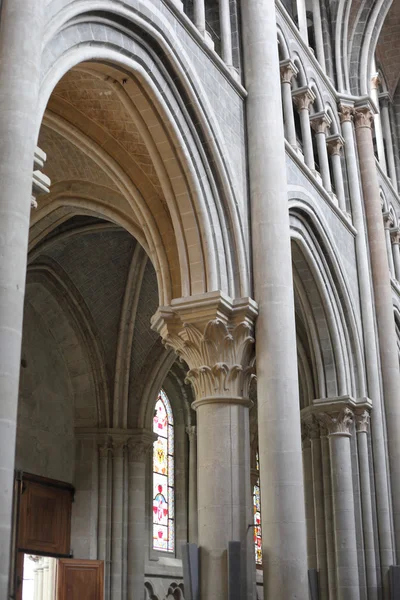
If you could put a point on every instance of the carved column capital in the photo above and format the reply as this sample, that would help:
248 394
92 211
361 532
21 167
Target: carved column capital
320 122
140 445
311 425
387 220
362 420
303 97
192 433
395 235
346 112
105 447
288 70
335 144
375 81
364 116
337 414
384 99
214 335
337 422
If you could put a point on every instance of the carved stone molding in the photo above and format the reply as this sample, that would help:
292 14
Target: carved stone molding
303 97
362 420
214 335
288 70
346 112
105 447
311 426
375 81
320 122
335 144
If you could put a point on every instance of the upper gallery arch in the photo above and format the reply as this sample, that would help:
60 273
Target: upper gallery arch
198 208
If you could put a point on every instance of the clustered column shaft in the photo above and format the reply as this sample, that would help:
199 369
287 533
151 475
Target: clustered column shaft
282 486
383 301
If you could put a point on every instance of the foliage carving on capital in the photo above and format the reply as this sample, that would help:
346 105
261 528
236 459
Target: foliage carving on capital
320 122
335 144
288 70
337 422
395 235
219 351
363 117
346 112
139 447
362 420
388 220
303 97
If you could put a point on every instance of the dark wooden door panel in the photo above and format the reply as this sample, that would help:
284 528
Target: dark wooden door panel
80 579
45 519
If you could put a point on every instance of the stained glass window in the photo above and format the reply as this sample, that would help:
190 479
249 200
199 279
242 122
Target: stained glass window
257 520
163 476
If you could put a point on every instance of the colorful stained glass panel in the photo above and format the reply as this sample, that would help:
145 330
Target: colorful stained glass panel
163 476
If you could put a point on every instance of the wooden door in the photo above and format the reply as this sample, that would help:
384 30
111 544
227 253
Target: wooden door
80 579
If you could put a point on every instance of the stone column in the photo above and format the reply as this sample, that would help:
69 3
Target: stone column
214 335
320 122
302 17
309 499
395 239
302 98
375 82
387 134
319 504
388 224
378 427
335 145
282 488
319 38
199 14
281 477
104 530
383 303
226 32
288 71
328 509
338 419
117 517
362 422
191 431
139 449
19 86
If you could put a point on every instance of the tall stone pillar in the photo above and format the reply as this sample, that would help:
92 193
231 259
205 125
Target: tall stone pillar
309 500
375 83
335 144
337 417
328 512
319 36
117 518
139 449
378 428
302 98
383 302
193 524
19 86
281 477
288 71
199 10
214 335
319 504
320 122
362 422
104 529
